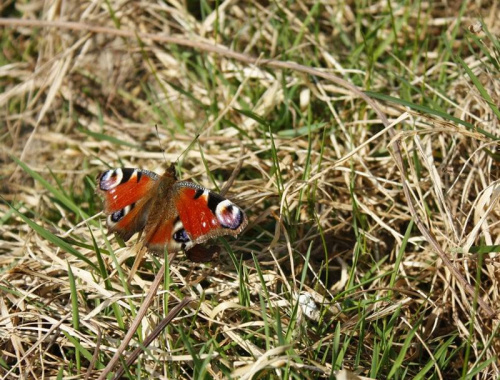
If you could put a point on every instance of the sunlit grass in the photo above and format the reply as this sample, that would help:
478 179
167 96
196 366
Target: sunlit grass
329 222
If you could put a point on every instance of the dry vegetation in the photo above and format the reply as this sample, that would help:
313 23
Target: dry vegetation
321 181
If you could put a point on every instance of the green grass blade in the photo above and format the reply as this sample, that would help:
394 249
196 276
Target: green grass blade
431 111
103 137
52 238
438 355
56 193
479 87
85 353
403 350
75 312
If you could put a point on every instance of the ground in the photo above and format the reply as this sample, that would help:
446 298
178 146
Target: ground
360 139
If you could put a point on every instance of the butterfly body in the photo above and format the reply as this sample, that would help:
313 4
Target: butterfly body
174 215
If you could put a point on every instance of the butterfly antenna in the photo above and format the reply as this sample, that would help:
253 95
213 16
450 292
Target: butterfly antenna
159 143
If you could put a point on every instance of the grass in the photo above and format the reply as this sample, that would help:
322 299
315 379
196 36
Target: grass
372 247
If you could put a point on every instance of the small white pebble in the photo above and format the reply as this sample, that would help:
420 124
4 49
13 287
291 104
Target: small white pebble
308 306
305 98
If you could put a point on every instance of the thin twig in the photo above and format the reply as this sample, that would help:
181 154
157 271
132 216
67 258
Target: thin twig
151 337
137 321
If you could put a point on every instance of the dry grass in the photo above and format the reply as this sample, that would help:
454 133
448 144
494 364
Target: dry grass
321 182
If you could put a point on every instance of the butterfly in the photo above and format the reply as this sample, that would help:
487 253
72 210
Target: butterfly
173 215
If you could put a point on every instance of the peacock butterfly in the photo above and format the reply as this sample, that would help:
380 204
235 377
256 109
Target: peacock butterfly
173 214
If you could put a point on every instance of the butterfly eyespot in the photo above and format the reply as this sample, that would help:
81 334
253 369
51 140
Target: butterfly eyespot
181 236
117 216
228 215
120 214
110 179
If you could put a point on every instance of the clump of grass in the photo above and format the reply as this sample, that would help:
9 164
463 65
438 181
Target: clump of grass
351 216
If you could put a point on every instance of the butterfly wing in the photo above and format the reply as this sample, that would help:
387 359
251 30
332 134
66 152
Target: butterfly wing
168 233
127 195
205 214
190 215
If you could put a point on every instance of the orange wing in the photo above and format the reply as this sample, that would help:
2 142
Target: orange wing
192 215
205 214
127 197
